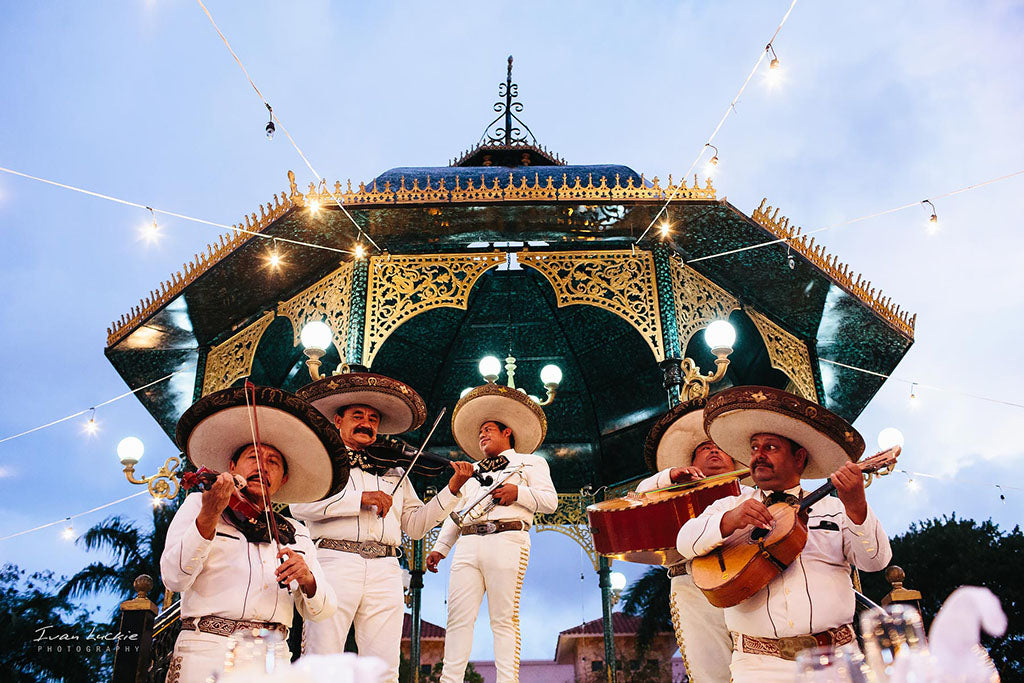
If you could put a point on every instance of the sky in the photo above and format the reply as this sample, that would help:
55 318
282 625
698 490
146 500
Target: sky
881 104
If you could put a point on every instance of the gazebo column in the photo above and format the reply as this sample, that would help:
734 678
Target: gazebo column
604 579
671 366
416 598
357 315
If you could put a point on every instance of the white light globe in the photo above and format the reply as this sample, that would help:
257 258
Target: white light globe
490 366
889 437
316 335
720 334
618 580
129 450
535 399
465 391
551 374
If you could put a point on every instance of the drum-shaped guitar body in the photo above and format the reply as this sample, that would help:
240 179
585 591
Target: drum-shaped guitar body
748 560
643 527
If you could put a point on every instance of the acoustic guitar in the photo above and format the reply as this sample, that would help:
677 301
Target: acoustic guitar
642 527
751 557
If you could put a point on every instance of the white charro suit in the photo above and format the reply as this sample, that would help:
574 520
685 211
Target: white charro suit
700 629
495 564
369 589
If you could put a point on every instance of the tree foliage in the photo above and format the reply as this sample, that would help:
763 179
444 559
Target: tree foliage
648 597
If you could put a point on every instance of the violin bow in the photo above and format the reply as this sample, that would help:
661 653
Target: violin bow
419 452
254 427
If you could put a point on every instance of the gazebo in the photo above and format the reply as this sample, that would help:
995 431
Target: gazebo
509 251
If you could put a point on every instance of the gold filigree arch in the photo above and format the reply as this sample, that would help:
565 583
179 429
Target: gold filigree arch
329 299
787 353
401 287
698 302
618 281
232 359
570 519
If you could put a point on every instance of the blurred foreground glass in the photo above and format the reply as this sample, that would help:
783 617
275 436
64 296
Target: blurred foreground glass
830 665
256 651
895 645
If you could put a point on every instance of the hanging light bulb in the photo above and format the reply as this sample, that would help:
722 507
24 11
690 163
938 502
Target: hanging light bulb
360 251
665 228
314 207
270 124
151 231
274 259
789 258
914 402
157 502
91 426
913 486
69 531
712 165
933 219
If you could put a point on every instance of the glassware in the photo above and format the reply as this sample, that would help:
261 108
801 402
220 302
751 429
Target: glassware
256 651
895 645
830 665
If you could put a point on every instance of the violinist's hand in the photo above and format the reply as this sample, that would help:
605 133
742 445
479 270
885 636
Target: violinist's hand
463 473
506 494
376 499
680 474
433 559
749 511
849 483
294 568
214 502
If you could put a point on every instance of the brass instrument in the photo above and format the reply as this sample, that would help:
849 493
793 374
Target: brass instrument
474 511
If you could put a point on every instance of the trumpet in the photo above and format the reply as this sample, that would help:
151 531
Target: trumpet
472 512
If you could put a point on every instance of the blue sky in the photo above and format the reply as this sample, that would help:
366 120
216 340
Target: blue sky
882 104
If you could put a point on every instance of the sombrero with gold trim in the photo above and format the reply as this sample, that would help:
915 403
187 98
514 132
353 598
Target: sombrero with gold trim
217 426
734 415
400 407
511 407
676 435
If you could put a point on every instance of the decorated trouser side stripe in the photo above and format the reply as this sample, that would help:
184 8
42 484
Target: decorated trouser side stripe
703 638
524 560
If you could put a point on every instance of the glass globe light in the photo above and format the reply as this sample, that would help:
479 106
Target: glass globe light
465 391
889 437
490 368
316 335
551 374
720 335
618 581
129 450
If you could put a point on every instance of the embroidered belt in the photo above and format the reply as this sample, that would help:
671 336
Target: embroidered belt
485 528
787 648
222 626
366 549
677 570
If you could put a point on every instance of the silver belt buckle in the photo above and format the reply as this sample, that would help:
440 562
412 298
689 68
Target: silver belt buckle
487 528
371 549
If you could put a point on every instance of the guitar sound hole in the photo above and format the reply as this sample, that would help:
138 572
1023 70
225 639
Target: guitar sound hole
758 533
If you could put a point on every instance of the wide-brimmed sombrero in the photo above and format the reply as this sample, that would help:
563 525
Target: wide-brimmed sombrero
676 435
400 407
734 415
495 402
218 425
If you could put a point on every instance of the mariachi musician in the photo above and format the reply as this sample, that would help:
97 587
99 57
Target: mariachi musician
358 531
679 450
786 438
238 564
500 427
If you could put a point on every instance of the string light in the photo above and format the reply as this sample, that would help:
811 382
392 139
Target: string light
914 403
274 258
360 251
665 228
151 232
712 165
69 531
774 64
912 485
91 427
314 207
270 124
789 258
75 516
157 502
933 220
773 77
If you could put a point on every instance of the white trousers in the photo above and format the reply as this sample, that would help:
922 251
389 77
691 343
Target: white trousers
701 633
495 564
199 657
370 597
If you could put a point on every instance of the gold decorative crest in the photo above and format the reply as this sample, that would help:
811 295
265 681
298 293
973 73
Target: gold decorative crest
401 287
570 519
698 301
618 281
787 353
232 359
327 300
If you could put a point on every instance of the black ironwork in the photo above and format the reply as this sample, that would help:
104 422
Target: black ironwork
508 134
165 632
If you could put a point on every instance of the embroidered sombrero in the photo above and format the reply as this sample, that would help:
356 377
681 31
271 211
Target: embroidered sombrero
218 425
734 415
511 407
400 407
674 438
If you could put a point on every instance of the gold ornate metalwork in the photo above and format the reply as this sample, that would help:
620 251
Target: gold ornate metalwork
787 353
618 281
232 359
698 302
401 287
327 300
428 542
570 519
163 484
840 273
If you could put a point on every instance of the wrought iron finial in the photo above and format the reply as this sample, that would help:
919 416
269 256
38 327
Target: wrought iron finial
513 131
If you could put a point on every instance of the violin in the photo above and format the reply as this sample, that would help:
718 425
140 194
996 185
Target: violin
203 479
390 451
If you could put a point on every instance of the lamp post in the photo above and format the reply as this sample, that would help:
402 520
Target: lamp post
163 484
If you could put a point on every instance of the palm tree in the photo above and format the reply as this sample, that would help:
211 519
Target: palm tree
648 597
134 550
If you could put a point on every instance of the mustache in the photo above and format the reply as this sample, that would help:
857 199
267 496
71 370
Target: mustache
363 430
757 462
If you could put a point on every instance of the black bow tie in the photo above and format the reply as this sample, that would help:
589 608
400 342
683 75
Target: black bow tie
256 530
360 459
781 497
493 464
